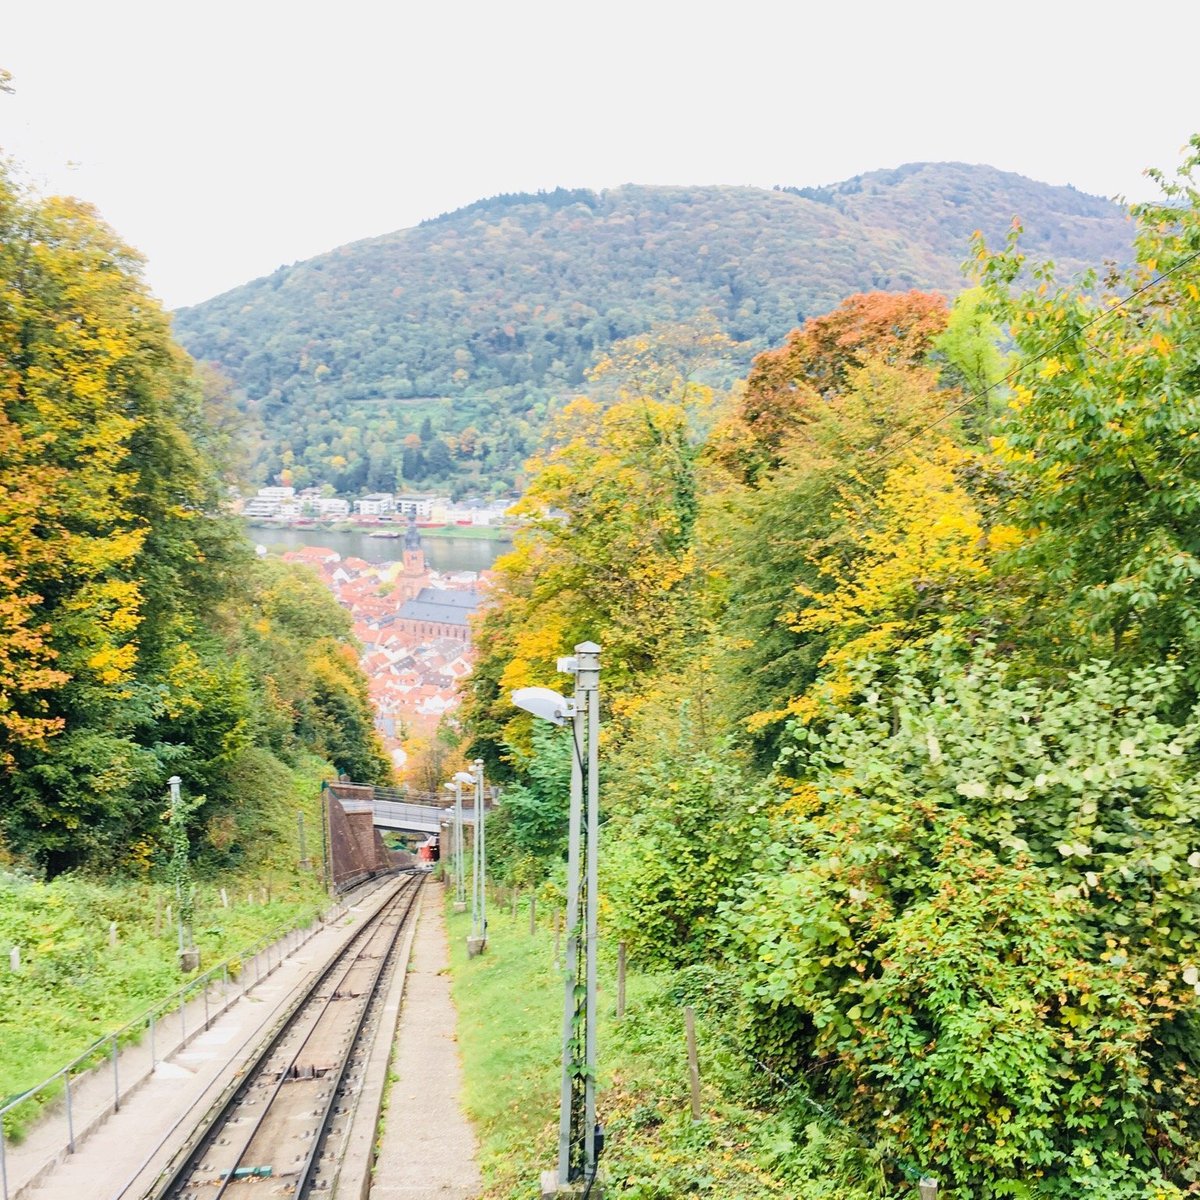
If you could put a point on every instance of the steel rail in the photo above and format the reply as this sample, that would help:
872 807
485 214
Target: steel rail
350 962
318 1140
246 1047
209 1128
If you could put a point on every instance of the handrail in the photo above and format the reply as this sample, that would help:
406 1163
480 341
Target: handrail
107 1044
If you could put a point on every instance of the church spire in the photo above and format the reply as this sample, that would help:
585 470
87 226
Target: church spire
412 536
414 559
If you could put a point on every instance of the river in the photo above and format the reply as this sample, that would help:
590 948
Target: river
441 553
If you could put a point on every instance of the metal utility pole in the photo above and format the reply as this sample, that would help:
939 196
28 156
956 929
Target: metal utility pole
478 939
460 882
577 1116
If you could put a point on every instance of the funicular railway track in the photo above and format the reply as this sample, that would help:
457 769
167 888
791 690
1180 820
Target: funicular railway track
278 1124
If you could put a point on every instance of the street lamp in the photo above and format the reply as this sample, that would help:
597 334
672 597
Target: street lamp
460 883
478 939
577 1141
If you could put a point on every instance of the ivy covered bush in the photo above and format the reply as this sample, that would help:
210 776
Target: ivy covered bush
976 928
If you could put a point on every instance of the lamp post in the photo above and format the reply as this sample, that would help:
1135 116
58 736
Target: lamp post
460 885
577 1141
477 942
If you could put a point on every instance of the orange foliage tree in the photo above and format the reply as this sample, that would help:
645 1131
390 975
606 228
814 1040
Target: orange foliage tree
786 384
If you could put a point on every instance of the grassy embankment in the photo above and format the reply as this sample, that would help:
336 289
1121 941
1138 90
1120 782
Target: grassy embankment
73 988
510 1012
477 533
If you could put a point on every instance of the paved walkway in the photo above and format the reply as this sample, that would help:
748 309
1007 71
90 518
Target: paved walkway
428 1150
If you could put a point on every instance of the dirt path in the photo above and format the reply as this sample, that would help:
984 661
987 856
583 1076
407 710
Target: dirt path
428 1150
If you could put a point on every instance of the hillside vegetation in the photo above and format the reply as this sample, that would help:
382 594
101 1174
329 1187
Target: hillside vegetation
901 722
449 341
139 636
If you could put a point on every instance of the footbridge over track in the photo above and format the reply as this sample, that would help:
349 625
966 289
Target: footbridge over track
405 810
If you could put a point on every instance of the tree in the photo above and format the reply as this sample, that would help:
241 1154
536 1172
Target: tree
787 386
1101 438
780 531
976 930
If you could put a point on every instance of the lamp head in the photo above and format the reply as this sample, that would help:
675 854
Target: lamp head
544 704
463 777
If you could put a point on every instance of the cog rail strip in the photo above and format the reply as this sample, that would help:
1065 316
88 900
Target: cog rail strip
275 1123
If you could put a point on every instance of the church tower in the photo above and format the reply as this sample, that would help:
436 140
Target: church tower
414 561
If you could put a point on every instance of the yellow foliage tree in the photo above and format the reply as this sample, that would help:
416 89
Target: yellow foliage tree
924 551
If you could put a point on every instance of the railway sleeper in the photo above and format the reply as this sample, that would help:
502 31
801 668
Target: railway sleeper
298 1073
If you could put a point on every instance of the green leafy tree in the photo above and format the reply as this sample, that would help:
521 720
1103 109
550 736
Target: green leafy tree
1105 418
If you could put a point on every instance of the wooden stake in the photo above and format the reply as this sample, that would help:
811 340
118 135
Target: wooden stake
620 980
689 1016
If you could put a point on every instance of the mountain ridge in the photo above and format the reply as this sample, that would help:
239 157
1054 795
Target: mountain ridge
475 320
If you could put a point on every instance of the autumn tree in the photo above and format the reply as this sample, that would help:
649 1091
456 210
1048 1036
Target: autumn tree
125 655
1102 438
786 386
608 549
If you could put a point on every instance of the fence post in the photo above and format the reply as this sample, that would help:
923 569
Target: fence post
182 1020
532 913
689 1017
928 1188
3 1165
153 1058
206 1020
620 980
70 1115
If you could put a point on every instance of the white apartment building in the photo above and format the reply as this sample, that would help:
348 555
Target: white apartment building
377 504
415 504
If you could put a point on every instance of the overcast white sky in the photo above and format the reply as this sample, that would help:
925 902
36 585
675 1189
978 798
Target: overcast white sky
226 137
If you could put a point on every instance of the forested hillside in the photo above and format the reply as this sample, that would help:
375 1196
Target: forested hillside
901 726
433 354
139 637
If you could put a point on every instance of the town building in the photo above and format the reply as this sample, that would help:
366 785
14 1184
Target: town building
413 504
377 504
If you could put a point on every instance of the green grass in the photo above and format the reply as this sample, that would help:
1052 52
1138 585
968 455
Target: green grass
479 533
73 988
510 1011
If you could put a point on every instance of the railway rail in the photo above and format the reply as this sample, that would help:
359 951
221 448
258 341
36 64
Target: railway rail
282 1119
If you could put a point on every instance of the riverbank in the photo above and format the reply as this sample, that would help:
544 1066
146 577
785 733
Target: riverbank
385 530
446 551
